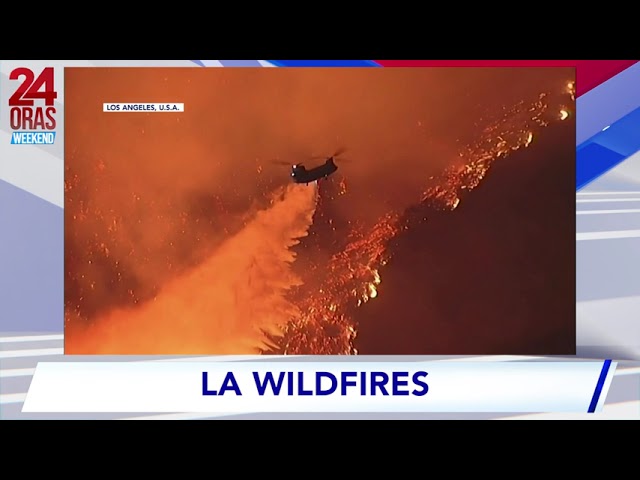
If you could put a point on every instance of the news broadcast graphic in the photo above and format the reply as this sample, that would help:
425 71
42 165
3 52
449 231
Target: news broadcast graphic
325 211
32 110
608 162
143 107
340 387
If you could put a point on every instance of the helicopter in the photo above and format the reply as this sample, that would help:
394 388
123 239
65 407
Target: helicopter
301 174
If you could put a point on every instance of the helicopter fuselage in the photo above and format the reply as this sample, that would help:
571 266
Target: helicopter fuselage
300 174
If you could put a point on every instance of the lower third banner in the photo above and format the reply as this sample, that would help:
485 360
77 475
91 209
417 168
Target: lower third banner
299 386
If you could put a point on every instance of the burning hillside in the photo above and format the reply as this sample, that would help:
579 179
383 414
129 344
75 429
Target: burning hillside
352 275
180 240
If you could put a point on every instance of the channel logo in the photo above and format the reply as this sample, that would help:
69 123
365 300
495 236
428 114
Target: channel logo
33 123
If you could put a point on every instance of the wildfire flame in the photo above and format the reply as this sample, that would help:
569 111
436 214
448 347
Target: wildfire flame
571 89
353 276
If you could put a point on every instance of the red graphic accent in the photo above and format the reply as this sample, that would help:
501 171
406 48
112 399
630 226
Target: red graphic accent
589 73
23 114
29 89
32 118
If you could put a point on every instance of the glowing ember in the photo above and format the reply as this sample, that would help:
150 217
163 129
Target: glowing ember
571 89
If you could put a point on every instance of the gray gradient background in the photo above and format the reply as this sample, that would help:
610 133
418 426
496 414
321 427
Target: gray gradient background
31 259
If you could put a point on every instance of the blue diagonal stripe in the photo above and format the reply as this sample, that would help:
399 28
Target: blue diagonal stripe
623 136
240 63
592 161
607 149
599 386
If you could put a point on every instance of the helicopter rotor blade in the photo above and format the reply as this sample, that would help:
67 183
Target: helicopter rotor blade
339 152
336 154
281 162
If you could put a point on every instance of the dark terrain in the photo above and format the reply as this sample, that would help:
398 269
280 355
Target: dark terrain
495 276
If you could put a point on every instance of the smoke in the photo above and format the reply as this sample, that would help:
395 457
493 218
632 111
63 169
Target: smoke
399 125
152 198
223 306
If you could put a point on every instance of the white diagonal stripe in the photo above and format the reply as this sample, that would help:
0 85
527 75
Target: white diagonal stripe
607 200
31 338
17 372
44 352
12 398
614 411
607 212
491 358
180 416
212 63
607 235
609 193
